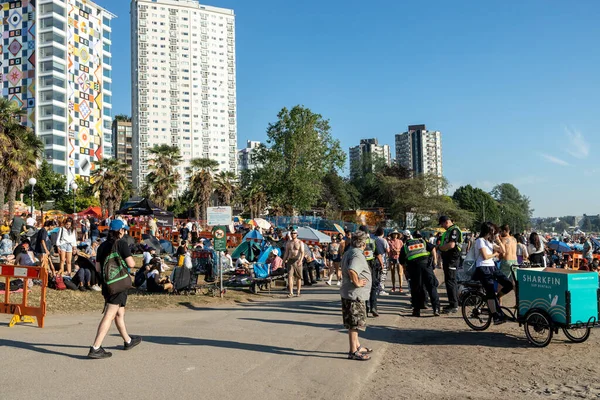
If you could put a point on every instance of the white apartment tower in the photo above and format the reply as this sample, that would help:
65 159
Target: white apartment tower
420 150
373 150
184 83
56 64
247 156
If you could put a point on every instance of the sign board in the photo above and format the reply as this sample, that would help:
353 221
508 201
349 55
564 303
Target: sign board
218 216
220 238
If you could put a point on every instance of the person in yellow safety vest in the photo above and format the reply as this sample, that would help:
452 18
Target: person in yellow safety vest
419 257
450 249
370 255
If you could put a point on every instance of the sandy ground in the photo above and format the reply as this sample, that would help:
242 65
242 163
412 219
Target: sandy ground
441 358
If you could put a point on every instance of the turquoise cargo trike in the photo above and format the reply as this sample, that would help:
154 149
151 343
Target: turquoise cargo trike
546 300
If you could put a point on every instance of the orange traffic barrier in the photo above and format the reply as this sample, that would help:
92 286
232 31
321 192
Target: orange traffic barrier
21 311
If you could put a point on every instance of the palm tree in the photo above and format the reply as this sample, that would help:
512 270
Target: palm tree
20 162
109 182
10 114
225 186
163 178
201 184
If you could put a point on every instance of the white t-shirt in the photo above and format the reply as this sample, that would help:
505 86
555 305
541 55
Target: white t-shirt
30 221
152 274
242 262
488 249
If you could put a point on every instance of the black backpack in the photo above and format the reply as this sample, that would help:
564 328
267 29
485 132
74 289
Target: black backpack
115 273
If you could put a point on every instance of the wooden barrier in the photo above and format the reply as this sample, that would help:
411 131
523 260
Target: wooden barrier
21 311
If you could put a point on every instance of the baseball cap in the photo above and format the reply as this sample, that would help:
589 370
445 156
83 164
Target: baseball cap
443 219
117 225
406 233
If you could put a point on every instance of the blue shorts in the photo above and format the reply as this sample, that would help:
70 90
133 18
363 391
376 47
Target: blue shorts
67 247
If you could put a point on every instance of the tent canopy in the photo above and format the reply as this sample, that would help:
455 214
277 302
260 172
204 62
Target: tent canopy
251 249
147 207
312 235
91 211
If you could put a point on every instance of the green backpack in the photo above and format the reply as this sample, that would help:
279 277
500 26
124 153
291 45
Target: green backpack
115 272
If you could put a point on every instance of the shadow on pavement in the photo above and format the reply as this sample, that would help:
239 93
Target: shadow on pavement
40 348
419 337
227 344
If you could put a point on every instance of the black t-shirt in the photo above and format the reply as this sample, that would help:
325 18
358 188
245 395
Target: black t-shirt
430 248
94 228
42 236
452 256
105 248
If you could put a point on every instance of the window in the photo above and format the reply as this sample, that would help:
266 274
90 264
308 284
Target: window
106 60
108 98
106 47
49 66
48 37
106 35
51 51
52 22
106 21
50 110
107 73
107 85
59 169
46 81
49 125
52 154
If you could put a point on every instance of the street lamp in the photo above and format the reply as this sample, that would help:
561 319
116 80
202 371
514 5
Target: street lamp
32 182
74 187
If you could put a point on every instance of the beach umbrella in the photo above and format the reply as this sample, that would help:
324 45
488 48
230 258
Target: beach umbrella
559 246
254 235
262 223
309 234
339 229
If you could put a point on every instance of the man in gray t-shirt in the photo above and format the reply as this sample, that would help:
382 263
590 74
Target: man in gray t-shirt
354 260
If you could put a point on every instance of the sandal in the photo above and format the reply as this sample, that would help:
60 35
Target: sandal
365 350
290 295
358 356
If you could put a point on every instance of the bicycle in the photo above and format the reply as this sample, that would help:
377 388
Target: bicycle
538 324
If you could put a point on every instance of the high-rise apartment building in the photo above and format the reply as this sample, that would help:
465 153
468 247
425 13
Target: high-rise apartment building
247 156
420 150
122 134
184 80
56 65
366 154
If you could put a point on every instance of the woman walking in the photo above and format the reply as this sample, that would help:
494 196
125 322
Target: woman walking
66 242
355 291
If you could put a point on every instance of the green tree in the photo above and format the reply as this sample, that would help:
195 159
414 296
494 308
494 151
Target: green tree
200 184
480 203
514 208
123 118
109 181
50 186
84 197
300 151
337 195
163 179
22 150
225 187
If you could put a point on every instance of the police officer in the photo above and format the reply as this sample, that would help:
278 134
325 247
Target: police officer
416 255
450 249
369 252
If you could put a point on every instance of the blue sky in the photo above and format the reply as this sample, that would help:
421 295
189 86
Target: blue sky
512 86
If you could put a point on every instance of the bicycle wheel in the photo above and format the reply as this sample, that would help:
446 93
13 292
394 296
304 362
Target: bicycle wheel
475 312
577 335
538 328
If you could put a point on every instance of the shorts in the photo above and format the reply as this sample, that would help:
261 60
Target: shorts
295 268
67 247
354 314
119 299
505 267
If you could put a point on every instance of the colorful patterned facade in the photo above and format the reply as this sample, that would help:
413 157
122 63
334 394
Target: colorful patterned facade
84 92
17 61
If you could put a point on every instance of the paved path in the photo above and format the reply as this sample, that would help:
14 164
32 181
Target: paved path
267 349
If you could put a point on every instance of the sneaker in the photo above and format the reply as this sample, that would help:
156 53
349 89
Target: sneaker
98 354
436 313
499 319
375 313
384 293
450 310
339 283
81 289
87 287
328 283
96 288
135 340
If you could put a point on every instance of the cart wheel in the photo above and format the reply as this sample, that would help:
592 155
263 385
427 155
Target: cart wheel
577 335
538 328
475 312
